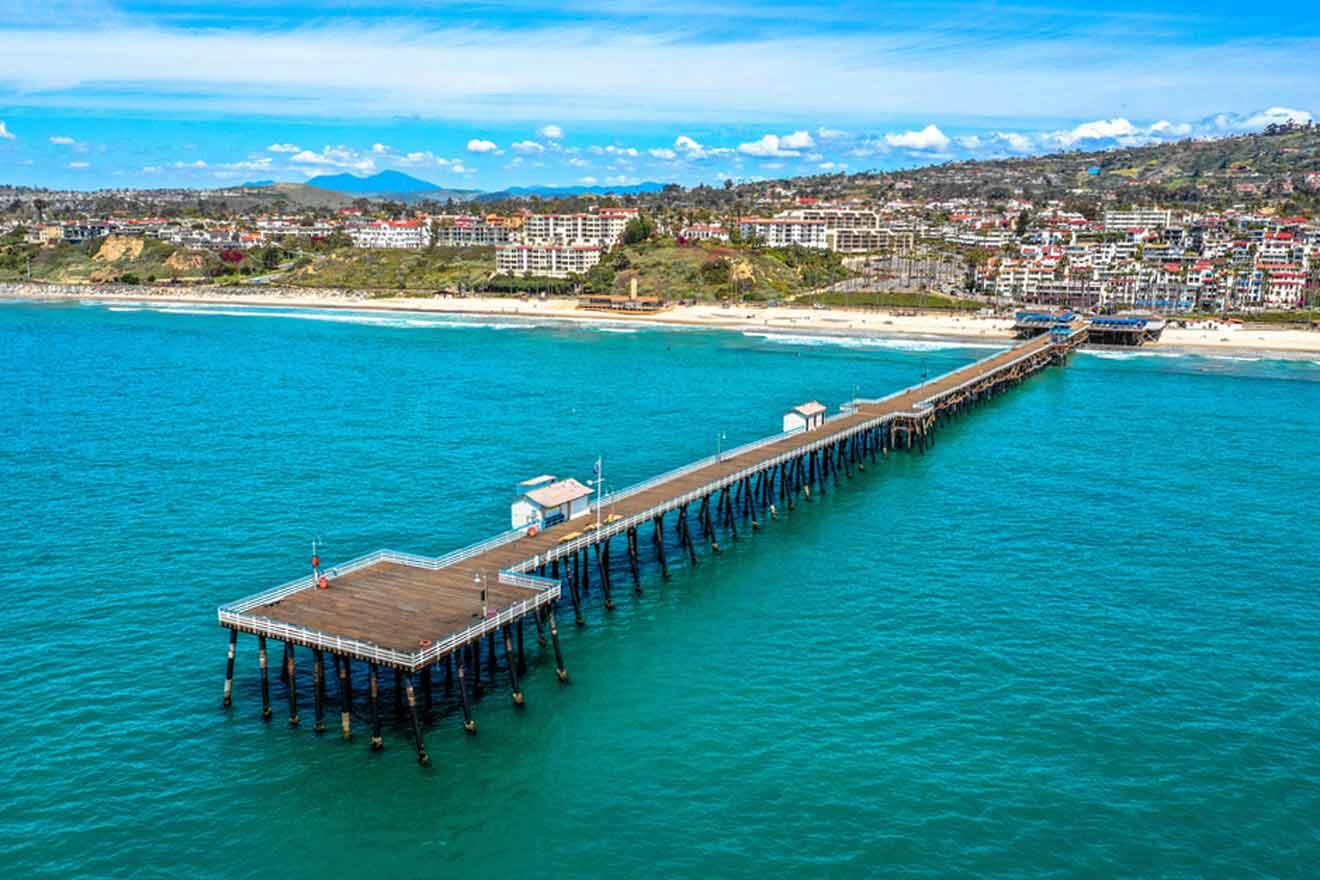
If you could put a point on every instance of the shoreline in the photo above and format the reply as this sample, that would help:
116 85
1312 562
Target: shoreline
787 320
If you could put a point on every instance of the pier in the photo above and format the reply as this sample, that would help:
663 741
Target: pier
426 622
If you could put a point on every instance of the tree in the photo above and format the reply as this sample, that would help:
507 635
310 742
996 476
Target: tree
638 230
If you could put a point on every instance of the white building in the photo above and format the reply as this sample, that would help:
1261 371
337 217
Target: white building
704 232
603 228
546 501
391 234
465 231
1138 218
783 231
804 417
546 260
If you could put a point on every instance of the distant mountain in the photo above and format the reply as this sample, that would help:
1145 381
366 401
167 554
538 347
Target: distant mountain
522 192
257 183
385 183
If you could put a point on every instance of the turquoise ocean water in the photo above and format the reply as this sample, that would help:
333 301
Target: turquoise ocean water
1081 637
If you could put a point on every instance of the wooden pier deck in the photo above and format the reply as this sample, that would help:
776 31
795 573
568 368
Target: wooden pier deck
410 613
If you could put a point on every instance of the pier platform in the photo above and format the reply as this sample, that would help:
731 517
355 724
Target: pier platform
416 614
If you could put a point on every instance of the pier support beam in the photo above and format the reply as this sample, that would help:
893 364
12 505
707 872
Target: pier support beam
603 565
229 670
573 590
461 666
658 537
633 563
516 691
265 678
373 689
422 757
291 675
346 696
428 698
554 638
318 689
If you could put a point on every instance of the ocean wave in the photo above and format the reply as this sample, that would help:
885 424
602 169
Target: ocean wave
884 342
366 318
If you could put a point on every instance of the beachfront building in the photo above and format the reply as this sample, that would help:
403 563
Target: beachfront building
603 228
468 231
784 231
704 232
545 501
391 234
1138 218
546 260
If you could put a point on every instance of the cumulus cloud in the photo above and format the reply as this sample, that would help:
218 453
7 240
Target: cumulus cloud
1232 123
553 132
1117 129
334 157
690 148
78 166
284 148
612 150
5 133
830 134
528 148
773 146
663 153
477 145
63 140
929 138
589 181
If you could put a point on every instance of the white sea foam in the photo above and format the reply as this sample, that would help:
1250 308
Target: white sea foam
884 342
373 319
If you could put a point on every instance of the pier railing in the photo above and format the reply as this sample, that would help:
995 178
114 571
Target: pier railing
237 614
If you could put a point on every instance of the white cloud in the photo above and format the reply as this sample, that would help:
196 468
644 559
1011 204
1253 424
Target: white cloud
830 134
284 148
334 157
5 134
78 166
662 153
833 166
477 145
1233 123
553 132
770 146
689 147
589 181
63 140
578 162
151 169
612 150
528 148
1101 129
197 164
621 180
1166 128
929 138
798 140
380 149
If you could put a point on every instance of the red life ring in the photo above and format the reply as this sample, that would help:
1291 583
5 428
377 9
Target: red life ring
316 560
323 583
424 643
531 531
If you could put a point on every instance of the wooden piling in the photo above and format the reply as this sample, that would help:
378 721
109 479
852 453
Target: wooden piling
291 676
265 678
422 757
229 670
516 692
373 689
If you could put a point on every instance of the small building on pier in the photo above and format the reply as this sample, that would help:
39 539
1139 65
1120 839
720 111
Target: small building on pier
805 417
545 502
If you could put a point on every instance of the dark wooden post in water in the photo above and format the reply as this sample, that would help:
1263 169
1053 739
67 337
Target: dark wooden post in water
522 658
265 678
492 664
633 562
373 688
416 725
428 700
460 666
398 695
573 591
658 536
554 638
290 673
346 696
513 666
229 670
318 689
603 563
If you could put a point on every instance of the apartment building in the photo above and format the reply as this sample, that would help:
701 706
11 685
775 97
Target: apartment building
391 234
601 228
546 260
465 231
1138 218
784 231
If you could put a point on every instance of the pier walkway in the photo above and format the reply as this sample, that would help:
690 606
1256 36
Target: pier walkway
417 615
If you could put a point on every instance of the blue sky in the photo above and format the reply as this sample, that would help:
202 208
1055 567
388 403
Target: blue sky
483 95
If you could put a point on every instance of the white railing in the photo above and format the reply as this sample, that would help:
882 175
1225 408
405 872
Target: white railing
548 589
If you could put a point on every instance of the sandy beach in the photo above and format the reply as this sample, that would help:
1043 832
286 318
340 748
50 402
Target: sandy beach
877 322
